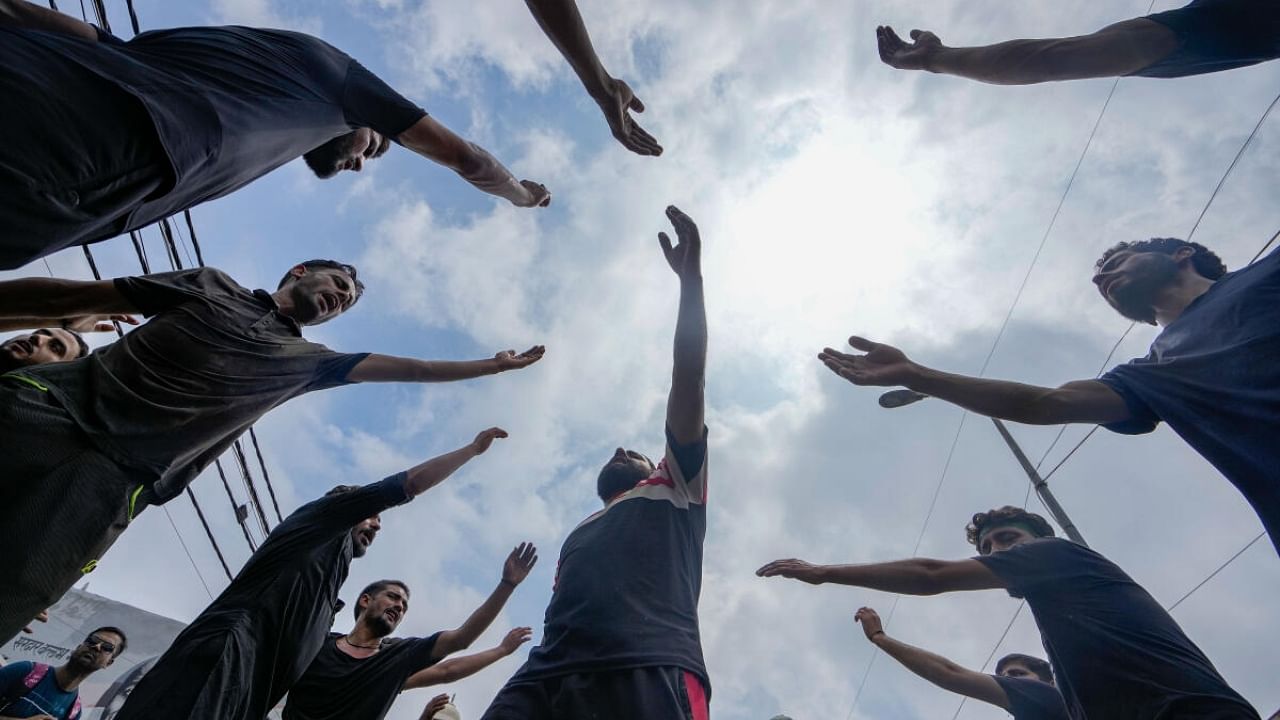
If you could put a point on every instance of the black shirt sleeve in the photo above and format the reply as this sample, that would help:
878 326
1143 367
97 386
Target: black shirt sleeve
1031 699
332 369
155 293
689 457
1122 380
1033 567
345 510
369 102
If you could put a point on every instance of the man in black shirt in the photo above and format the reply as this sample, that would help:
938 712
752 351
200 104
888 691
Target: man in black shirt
240 656
358 675
115 135
86 444
1022 684
621 636
1115 652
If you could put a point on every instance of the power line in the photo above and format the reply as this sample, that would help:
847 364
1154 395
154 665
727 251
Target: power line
992 654
1220 568
190 559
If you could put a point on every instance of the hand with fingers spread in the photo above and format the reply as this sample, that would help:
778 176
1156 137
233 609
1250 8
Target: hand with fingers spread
870 621
794 569
97 323
898 53
617 101
519 563
686 258
509 360
881 365
514 639
436 705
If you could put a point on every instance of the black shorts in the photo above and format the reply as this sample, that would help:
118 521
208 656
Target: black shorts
649 693
1215 35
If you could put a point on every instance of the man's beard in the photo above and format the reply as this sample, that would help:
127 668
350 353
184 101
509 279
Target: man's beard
326 160
380 625
9 362
618 478
1136 296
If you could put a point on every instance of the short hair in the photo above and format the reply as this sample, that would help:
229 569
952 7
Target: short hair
1204 260
1007 515
340 489
80 341
1041 668
376 587
321 264
124 640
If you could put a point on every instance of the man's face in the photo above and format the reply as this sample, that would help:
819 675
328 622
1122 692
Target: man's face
384 609
363 534
621 473
320 295
1003 537
41 346
1017 669
1131 282
97 651
346 152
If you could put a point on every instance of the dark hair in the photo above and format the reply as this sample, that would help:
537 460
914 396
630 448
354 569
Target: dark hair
1204 260
1034 664
340 489
1007 515
374 588
124 640
84 346
323 159
320 264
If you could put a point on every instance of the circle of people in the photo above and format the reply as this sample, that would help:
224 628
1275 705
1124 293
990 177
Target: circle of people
90 440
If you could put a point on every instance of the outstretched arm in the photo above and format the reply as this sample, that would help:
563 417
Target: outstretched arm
917 576
82 324
434 141
426 475
389 368
456 669
934 668
686 405
1080 401
514 571
29 16
1119 49
40 302
562 22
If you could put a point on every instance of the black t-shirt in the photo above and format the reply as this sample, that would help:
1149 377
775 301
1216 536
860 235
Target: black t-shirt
170 396
629 577
337 686
240 656
230 104
1115 652
1031 699
1216 35
1213 376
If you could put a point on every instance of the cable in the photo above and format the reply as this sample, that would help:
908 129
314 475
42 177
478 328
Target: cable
190 559
992 654
266 477
238 451
235 506
1221 567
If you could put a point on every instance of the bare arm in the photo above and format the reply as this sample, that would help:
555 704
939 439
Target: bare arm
29 16
426 475
686 404
1082 401
434 141
389 368
917 576
456 669
936 669
48 301
1119 49
82 324
562 22
514 571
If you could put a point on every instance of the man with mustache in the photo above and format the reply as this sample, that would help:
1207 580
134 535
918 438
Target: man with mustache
1211 374
248 648
87 444
39 692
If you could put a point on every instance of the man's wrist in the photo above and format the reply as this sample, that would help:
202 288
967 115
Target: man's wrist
509 583
877 637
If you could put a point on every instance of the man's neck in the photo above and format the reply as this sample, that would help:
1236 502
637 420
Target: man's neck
68 678
284 303
362 641
1173 300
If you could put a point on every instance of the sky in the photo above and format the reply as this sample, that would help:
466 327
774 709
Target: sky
835 196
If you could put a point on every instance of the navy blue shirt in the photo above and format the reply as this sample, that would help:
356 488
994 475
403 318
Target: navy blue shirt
1031 699
1214 376
629 578
1116 654
1215 35
46 698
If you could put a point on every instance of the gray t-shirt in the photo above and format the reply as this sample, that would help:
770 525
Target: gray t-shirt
171 396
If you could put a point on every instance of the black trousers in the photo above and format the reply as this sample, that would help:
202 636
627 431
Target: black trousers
648 693
62 503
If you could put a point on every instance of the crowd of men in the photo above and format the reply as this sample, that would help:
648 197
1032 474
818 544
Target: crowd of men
89 440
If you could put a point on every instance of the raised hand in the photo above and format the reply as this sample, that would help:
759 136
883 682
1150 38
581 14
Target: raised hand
519 563
509 360
486 438
898 53
616 103
870 622
881 365
794 569
686 258
436 705
97 323
536 194
514 639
